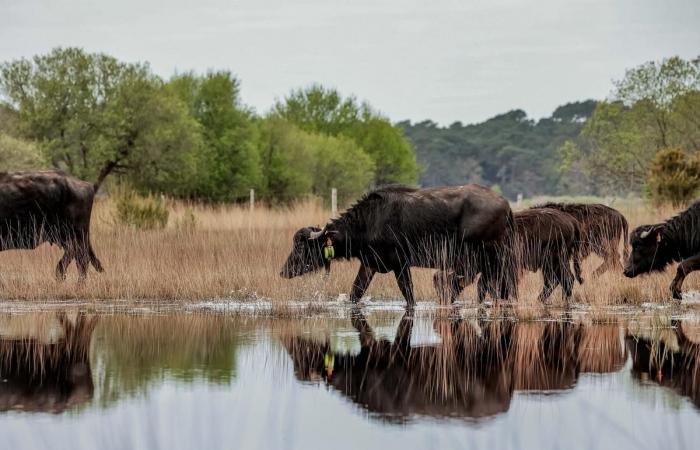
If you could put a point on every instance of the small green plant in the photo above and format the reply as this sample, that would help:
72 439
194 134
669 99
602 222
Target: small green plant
143 213
674 178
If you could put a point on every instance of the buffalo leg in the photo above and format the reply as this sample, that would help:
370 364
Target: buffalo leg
93 259
577 268
64 263
566 278
403 278
82 259
684 268
611 258
362 280
550 279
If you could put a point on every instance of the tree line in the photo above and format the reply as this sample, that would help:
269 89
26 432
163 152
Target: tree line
190 136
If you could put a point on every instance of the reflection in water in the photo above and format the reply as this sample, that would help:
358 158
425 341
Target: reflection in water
205 381
674 366
48 376
472 373
134 353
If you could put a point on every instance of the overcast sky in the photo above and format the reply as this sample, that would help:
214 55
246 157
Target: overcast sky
438 59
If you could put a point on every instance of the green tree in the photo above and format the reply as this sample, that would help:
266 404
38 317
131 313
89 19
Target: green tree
95 116
229 163
321 110
297 163
288 161
674 177
19 154
654 107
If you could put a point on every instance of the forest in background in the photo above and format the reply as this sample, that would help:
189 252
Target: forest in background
509 152
191 136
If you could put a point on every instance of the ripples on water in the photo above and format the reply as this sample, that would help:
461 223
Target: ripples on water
386 380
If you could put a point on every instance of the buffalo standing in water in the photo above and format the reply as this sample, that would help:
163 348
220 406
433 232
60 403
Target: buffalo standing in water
468 229
545 239
38 207
656 246
602 229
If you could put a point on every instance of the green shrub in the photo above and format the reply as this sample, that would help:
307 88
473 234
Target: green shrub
143 213
675 177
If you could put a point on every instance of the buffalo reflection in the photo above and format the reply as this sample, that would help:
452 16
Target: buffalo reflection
675 365
472 373
47 374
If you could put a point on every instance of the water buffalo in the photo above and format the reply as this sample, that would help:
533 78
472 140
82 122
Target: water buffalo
467 229
602 229
546 239
38 207
656 246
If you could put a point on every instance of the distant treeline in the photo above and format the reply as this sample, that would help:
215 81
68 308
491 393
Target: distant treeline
510 151
643 140
190 136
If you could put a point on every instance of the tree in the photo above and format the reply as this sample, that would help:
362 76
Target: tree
321 110
229 163
517 153
675 177
654 107
95 116
297 163
288 161
18 154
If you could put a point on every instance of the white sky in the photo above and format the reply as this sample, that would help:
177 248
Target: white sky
439 59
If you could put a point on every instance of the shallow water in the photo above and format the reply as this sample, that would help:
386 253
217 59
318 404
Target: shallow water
360 379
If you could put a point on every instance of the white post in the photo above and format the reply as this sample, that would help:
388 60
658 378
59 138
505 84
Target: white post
519 203
334 202
252 200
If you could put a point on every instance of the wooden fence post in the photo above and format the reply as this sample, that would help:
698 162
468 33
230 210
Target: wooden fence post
334 202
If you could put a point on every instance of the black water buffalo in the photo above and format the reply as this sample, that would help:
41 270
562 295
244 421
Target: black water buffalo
546 239
656 246
38 207
602 229
468 229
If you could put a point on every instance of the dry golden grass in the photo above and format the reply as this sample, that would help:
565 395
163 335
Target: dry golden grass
235 253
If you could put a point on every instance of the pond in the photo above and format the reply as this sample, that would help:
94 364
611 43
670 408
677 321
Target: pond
355 379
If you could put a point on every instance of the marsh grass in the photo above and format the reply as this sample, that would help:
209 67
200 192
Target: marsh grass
230 252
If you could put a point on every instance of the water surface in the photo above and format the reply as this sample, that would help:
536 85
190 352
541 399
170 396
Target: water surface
372 379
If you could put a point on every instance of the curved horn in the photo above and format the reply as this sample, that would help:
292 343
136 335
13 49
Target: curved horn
644 234
317 234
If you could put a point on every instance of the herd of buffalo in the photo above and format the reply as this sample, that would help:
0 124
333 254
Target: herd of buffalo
463 231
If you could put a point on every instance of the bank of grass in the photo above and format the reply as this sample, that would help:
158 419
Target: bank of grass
234 253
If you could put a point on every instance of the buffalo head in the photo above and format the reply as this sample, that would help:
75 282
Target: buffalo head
650 250
307 253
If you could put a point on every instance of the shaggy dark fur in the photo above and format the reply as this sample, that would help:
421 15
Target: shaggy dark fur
467 229
656 246
547 240
602 229
37 207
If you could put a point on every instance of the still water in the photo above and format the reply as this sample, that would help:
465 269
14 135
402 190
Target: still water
382 379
